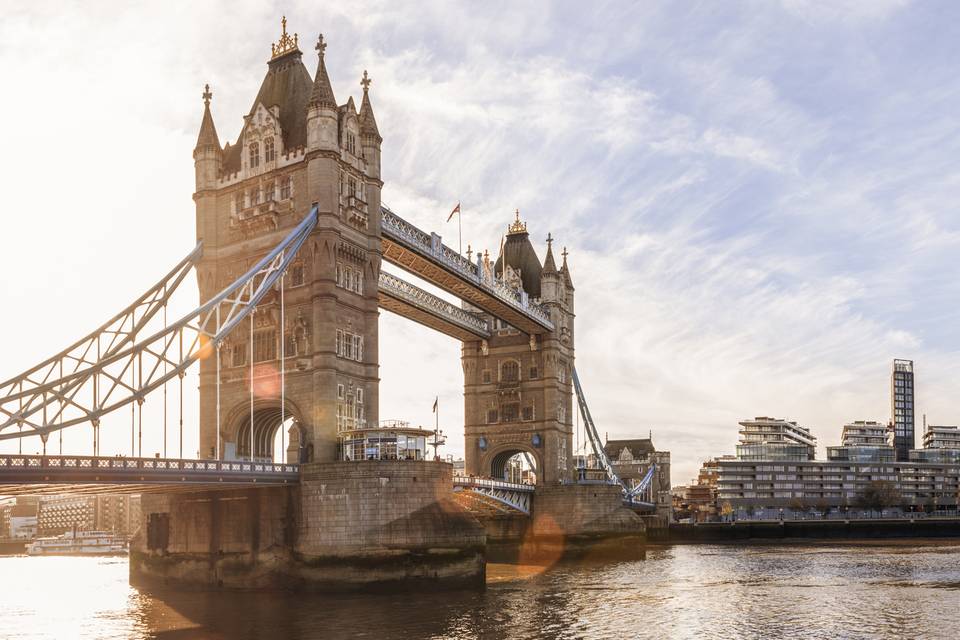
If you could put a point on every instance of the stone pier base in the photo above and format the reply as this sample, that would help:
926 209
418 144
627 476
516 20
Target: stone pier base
349 525
568 522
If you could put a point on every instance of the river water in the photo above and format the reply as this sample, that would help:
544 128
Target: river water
910 590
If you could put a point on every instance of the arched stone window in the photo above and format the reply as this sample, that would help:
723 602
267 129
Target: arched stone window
254 155
510 371
268 153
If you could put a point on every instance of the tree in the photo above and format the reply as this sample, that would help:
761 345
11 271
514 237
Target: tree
797 505
823 507
726 509
878 495
751 509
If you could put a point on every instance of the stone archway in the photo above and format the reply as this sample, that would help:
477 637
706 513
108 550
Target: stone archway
496 461
265 421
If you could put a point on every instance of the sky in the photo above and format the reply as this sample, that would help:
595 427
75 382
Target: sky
760 199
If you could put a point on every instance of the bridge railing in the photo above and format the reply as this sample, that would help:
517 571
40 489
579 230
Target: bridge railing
418 297
489 483
393 226
11 462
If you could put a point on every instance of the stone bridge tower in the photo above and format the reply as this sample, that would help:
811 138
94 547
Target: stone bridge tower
297 148
518 389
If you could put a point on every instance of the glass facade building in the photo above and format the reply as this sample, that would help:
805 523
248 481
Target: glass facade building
863 441
902 401
392 440
766 438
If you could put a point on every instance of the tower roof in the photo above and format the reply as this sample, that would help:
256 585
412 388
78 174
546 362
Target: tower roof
287 86
518 253
565 270
321 94
549 266
208 132
368 124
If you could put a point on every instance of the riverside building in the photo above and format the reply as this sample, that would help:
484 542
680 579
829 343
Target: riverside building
901 401
940 444
863 441
788 482
774 439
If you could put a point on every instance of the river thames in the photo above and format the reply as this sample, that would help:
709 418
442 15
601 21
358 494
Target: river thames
910 590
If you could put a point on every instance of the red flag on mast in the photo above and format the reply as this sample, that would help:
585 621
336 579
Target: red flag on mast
456 209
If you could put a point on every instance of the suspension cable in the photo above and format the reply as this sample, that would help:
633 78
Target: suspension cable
217 354
165 386
252 316
283 372
181 376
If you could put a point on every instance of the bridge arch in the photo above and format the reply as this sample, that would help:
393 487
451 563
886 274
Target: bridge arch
495 461
267 418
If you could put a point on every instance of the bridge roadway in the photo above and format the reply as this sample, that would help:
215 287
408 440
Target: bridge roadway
45 475
38 474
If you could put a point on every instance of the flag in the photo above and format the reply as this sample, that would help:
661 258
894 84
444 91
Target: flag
456 209
435 403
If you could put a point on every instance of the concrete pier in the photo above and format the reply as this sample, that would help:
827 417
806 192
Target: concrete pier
349 525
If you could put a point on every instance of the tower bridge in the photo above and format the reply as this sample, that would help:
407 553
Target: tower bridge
290 237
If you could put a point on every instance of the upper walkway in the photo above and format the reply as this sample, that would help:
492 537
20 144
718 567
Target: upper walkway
410 301
425 255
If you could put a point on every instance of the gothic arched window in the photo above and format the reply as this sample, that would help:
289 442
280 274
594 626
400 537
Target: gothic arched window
510 371
254 155
268 154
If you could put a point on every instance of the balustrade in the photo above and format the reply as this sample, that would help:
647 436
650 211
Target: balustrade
394 226
417 296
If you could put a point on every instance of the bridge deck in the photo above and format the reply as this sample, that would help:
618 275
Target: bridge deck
412 302
35 474
424 255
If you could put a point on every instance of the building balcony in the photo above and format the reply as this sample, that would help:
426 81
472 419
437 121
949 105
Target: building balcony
256 217
355 211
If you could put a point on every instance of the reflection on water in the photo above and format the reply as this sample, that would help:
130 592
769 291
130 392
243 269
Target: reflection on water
758 592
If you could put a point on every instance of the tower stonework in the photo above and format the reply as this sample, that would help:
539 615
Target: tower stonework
518 394
297 149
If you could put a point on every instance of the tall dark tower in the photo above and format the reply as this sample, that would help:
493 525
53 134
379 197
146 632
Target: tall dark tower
518 393
901 407
298 148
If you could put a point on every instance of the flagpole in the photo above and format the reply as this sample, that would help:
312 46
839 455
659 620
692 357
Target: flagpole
460 228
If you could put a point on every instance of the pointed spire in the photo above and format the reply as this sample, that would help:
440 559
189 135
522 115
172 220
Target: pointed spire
208 132
368 124
566 270
322 94
549 266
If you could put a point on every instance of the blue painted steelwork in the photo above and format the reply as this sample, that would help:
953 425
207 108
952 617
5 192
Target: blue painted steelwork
85 394
593 435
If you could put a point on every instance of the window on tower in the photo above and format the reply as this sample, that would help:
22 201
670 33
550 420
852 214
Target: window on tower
254 155
268 153
286 186
296 275
510 371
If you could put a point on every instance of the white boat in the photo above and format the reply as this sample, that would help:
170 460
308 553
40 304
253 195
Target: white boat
79 543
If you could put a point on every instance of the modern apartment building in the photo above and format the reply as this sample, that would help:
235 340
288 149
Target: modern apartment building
116 513
863 441
902 407
940 444
766 438
833 483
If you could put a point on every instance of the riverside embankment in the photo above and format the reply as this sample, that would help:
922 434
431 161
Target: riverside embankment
784 530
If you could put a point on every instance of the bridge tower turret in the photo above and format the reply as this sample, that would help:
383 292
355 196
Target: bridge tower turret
517 387
297 149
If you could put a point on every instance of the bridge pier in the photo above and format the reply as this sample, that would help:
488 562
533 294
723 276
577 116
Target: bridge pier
349 525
